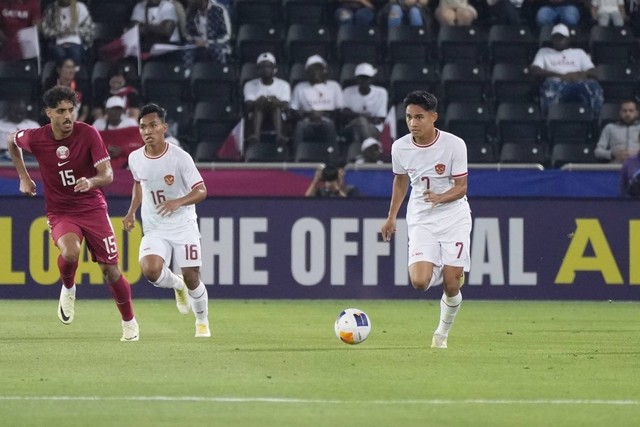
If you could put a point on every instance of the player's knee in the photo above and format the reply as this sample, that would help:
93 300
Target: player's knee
151 274
70 256
420 285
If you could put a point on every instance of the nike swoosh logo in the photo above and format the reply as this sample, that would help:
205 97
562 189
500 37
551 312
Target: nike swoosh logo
63 163
65 318
112 256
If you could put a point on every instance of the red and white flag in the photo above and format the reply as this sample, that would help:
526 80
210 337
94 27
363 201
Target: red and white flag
24 45
233 146
388 134
127 45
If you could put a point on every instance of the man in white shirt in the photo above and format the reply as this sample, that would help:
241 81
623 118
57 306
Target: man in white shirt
158 22
14 119
266 97
568 74
115 117
434 163
317 103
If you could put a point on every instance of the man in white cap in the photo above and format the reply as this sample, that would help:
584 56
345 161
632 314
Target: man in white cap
567 74
365 106
317 103
266 97
370 152
115 117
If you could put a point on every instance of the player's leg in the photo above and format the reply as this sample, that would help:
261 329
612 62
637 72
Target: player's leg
424 258
67 236
120 290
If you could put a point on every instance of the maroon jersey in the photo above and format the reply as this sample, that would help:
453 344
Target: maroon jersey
16 15
65 161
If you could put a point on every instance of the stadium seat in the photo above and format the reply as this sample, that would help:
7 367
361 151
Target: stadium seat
262 12
254 39
569 123
315 152
164 80
481 152
612 45
511 44
618 81
473 122
513 83
462 44
19 80
304 40
523 152
114 13
561 154
178 118
464 83
358 43
211 81
306 12
409 77
609 113
410 44
518 123
266 152
212 121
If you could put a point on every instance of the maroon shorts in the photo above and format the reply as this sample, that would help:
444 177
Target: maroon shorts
94 226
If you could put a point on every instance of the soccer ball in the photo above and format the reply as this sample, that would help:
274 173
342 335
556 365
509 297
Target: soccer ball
352 326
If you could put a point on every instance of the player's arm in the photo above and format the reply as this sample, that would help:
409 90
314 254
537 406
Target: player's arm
196 195
129 220
103 177
456 192
398 193
27 186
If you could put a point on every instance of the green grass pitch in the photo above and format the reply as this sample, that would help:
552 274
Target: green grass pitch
278 363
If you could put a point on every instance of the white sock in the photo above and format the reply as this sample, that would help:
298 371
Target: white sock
436 276
168 280
129 322
200 303
449 307
70 291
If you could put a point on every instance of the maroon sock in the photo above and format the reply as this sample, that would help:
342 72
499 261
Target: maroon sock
67 272
121 292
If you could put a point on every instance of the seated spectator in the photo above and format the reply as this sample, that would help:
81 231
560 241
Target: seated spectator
456 12
328 181
118 86
15 118
266 98
358 12
209 28
316 103
365 106
69 29
65 75
370 152
619 140
567 74
505 12
412 12
630 177
608 11
115 117
16 15
553 12
158 22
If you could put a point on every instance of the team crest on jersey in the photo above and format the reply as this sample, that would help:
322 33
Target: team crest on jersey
62 152
440 168
168 179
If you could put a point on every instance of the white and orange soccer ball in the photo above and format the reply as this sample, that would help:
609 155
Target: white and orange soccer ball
352 326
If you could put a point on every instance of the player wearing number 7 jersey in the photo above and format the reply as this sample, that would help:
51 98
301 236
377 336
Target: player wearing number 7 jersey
438 214
74 165
167 185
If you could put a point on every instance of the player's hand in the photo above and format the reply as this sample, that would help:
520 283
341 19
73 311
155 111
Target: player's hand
387 229
129 222
83 185
28 187
433 198
167 207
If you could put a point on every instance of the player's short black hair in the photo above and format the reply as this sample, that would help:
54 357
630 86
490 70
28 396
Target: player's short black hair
425 99
152 108
57 94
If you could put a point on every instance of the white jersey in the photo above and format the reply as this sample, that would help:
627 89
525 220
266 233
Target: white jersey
169 176
373 104
325 96
279 89
432 167
562 61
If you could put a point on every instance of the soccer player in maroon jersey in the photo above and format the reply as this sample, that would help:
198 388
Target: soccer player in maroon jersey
74 164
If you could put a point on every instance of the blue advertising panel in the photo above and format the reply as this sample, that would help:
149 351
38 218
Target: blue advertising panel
327 248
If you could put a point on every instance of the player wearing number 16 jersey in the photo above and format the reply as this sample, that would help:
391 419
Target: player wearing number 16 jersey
167 185
74 165
438 214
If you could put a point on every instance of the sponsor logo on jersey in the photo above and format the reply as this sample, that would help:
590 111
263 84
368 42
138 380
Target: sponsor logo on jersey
168 179
440 168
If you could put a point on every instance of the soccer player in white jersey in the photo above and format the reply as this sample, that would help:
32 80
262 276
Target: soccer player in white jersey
438 214
168 185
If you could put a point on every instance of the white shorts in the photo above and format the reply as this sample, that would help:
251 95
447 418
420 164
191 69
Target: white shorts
183 247
442 242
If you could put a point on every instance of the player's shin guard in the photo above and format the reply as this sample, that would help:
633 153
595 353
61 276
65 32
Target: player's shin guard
67 271
121 292
449 307
200 302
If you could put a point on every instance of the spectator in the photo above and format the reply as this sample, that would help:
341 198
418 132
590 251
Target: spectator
505 12
630 177
365 106
65 75
456 12
209 28
605 11
413 12
266 97
316 103
358 12
16 15
69 29
567 73
553 12
328 181
158 22
182 17
15 118
619 141
370 152
118 86
114 117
